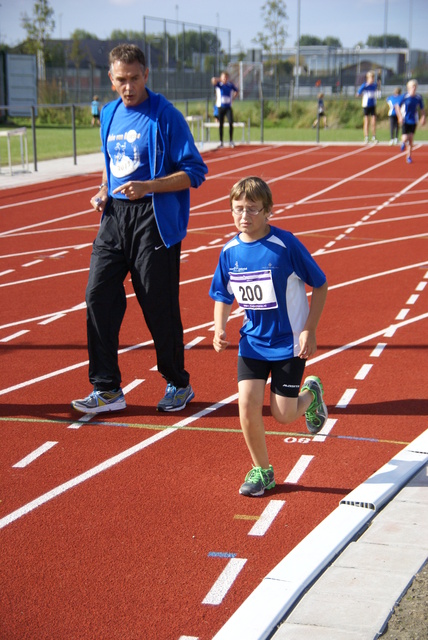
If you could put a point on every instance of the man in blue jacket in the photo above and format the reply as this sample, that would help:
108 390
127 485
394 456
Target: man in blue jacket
151 162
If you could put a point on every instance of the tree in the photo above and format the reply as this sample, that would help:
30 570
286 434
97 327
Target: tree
39 28
81 34
314 41
393 42
126 36
273 38
330 41
310 41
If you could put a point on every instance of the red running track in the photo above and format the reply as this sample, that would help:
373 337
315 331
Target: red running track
130 525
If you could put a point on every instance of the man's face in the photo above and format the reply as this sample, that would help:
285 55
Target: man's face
129 80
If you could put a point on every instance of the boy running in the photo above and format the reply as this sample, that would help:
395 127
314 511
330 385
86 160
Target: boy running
410 110
265 269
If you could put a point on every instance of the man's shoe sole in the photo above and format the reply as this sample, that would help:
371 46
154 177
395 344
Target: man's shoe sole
114 406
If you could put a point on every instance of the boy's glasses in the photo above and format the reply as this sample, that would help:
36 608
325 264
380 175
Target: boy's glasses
252 211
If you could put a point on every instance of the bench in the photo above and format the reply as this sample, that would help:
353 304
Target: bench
22 134
207 126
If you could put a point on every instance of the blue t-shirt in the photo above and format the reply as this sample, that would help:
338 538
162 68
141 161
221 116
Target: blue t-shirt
95 108
224 93
369 94
391 102
409 106
127 145
267 278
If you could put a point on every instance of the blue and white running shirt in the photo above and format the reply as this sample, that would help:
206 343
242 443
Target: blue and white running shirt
409 106
267 278
224 92
369 94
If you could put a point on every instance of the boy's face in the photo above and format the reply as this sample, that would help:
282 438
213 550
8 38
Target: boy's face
250 219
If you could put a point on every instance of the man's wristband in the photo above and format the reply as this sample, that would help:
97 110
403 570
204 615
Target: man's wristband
103 184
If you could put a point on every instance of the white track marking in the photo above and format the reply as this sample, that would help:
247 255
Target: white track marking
346 398
31 264
323 356
47 277
322 435
267 516
44 223
74 482
402 314
224 582
363 372
299 469
34 455
378 350
13 336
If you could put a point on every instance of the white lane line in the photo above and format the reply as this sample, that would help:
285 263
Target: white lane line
346 398
421 286
413 298
325 430
31 264
224 582
299 469
5 273
362 374
34 455
194 342
54 318
267 517
378 350
390 331
14 335
62 488
402 314
323 356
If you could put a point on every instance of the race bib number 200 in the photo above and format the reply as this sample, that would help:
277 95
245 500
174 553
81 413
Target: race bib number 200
254 289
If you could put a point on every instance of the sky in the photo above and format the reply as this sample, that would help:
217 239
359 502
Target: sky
352 21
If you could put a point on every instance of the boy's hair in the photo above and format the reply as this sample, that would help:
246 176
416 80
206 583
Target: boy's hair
397 91
412 83
127 53
320 95
254 189
370 74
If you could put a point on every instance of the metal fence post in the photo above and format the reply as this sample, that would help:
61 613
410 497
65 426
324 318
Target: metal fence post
33 130
73 125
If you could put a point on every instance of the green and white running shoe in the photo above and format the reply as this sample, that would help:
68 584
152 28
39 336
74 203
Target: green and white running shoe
100 401
317 413
257 481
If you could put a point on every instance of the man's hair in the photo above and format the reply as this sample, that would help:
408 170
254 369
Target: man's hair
127 53
254 189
